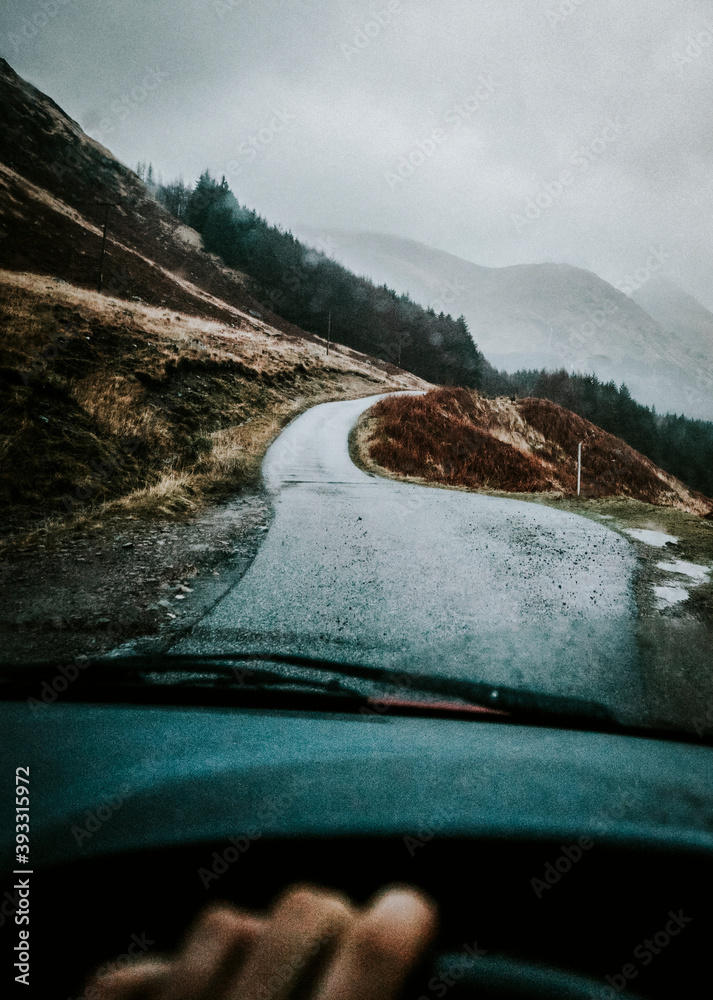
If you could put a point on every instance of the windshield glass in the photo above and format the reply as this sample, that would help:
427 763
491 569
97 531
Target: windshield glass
393 350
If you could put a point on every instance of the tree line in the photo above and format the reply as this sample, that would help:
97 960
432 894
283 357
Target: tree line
677 444
307 287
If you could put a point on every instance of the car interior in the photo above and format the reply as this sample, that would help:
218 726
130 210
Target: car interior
497 938
566 860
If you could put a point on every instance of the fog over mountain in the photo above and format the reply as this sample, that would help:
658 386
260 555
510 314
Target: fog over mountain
504 133
552 316
680 314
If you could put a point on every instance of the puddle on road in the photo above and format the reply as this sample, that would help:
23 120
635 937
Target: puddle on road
666 597
694 570
656 538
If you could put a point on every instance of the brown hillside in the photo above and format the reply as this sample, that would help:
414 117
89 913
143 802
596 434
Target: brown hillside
459 438
53 177
104 399
166 388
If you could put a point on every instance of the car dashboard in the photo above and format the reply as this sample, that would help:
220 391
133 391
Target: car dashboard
554 855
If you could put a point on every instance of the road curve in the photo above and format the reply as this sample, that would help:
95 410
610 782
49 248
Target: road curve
363 569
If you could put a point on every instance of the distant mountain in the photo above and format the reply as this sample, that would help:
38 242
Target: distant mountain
550 315
682 316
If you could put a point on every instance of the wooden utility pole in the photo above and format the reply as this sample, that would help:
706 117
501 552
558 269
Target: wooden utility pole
329 329
106 205
579 468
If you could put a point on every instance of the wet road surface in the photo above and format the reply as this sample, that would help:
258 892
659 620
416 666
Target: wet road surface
362 569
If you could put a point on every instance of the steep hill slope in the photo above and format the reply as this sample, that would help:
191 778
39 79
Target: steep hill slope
165 388
544 315
105 400
56 184
54 180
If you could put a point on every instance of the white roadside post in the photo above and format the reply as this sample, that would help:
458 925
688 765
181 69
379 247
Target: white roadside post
579 467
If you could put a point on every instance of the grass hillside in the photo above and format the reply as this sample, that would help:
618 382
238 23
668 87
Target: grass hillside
164 389
458 438
109 401
55 182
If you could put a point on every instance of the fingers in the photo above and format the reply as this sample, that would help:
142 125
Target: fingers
303 922
218 941
380 948
143 981
313 944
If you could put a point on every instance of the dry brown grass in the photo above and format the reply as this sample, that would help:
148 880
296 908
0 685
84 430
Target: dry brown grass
454 437
443 437
29 304
173 493
233 459
144 409
118 407
613 468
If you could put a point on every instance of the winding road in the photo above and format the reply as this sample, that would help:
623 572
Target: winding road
363 569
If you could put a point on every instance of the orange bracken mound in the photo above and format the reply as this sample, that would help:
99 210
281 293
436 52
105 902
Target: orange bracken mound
459 438
613 468
440 437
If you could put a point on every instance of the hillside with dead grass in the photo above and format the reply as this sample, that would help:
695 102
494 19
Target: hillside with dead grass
457 438
56 183
149 410
53 181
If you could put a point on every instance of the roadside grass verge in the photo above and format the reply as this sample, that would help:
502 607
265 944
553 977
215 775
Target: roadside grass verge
232 457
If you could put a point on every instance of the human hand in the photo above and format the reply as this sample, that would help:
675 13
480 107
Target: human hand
313 945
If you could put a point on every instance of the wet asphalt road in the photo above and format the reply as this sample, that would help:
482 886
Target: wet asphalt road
362 569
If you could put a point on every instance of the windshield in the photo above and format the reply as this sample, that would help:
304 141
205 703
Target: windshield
392 350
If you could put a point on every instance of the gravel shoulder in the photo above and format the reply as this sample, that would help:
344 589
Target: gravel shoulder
85 590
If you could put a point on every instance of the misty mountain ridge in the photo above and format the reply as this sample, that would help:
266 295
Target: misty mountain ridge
678 313
553 316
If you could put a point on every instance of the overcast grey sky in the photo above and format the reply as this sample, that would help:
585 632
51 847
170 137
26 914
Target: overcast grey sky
503 131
